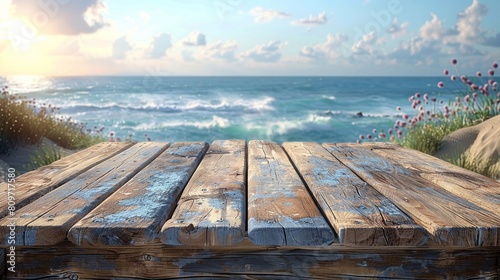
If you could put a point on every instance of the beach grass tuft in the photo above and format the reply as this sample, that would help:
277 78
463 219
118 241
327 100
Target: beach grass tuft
26 121
431 119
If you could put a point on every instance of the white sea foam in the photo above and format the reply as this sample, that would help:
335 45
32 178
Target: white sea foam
329 97
158 103
216 121
230 103
284 126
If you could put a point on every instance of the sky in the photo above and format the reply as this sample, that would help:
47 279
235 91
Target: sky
245 37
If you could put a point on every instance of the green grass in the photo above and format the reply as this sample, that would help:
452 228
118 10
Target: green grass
487 169
25 122
42 157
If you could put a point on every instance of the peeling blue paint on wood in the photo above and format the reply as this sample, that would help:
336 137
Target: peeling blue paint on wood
50 217
216 194
148 204
274 188
135 213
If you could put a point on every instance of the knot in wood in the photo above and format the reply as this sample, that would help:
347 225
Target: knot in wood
189 228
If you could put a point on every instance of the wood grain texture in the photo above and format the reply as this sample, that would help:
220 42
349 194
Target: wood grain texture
451 219
359 214
32 185
68 261
281 211
481 190
136 212
47 220
212 208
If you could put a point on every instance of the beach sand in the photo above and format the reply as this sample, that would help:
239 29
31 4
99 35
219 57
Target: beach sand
480 143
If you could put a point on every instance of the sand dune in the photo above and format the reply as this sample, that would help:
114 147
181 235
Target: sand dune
480 143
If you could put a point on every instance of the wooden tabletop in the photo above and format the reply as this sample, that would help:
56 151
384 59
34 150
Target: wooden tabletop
256 192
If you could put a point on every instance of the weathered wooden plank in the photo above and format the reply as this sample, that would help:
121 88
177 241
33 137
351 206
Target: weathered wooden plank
471 186
212 208
359 214
34 184
451 219
281 211
327 262
48 219
136 212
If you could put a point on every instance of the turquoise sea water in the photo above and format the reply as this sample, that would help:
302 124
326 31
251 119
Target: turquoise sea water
322 109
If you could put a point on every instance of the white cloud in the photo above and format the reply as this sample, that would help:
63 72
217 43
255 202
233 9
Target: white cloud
187 56
263 15
327 50
120 48
195 39
159 45
221 51
469 21
62 17
311 20
365 46
432 30
270 52
397 29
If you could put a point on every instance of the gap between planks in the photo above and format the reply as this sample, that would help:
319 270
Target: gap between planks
359 213
47 220
33 185
134 214
452 220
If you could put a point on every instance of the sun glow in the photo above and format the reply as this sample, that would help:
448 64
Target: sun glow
19 34
28 83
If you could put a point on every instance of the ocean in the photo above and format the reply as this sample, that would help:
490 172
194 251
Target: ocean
280 109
